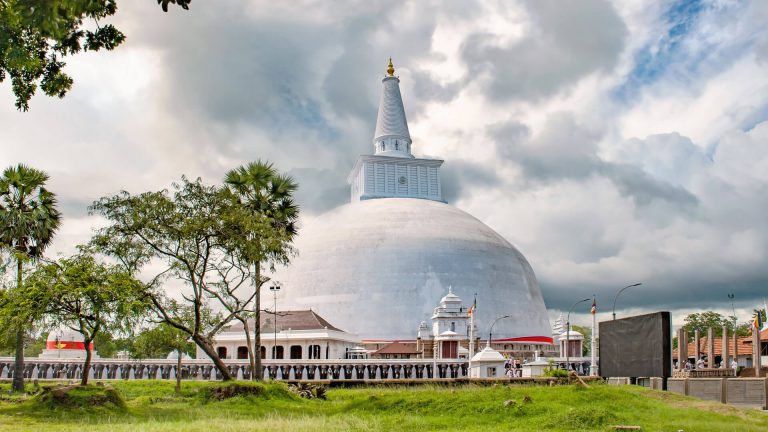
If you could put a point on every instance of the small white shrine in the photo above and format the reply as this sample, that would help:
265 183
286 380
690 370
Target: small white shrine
487 363
562 337
573 340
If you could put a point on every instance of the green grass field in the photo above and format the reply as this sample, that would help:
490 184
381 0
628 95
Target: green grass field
152 406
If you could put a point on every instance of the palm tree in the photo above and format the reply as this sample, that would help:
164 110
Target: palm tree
262 190
29 219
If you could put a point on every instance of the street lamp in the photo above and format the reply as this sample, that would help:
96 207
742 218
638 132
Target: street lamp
568 335
617 296
490 333
735 340
275 288
731 297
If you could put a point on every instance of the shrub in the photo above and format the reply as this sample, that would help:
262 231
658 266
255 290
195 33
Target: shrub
586 418
247 389
558 373
86 397
309 391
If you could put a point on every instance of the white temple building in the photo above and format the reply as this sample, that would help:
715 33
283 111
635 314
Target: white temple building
563 338
376 265
450 325
299 334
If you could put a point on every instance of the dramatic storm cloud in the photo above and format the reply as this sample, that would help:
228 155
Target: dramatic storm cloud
611 142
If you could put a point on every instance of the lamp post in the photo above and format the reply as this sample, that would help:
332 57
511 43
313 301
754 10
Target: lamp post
275 288
617 296
733 308
472 313
735 338
490 333
568 335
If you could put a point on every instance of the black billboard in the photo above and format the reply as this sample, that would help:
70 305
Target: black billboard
639 346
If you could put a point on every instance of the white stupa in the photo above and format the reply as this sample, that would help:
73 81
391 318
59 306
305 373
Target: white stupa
66 343
375 266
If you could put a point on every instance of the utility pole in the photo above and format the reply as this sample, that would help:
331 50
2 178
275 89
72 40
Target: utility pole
593 345
275 288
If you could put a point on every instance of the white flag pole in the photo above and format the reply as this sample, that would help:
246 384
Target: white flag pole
592 348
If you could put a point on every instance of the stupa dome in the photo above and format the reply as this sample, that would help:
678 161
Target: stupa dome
65 335
376 267
65 343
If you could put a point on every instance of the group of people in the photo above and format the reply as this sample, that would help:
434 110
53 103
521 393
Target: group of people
701 364
513 368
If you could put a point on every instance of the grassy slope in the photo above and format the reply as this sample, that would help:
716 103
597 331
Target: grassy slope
151 407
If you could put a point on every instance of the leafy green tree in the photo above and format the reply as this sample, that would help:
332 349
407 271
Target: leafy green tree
29 219
261 190
35 35
702 321
193 235
7 330
105 344
89 297
108 344
158 341
19 310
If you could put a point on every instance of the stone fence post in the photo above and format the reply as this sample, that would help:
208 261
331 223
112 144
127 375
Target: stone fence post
724 351
682 348
697 347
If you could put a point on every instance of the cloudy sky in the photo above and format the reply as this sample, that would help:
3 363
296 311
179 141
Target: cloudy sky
611 142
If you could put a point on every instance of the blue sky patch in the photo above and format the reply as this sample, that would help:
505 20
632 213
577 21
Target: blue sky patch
654 59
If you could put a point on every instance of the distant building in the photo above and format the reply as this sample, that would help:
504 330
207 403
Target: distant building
396 350
743 349
301 334
448 333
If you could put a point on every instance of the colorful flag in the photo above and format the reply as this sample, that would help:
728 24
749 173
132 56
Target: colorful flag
594 306
758 323
472 308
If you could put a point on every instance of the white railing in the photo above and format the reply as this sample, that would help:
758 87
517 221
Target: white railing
203 369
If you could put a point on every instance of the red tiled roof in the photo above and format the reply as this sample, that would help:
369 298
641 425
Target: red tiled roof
396 348
744 346
294 320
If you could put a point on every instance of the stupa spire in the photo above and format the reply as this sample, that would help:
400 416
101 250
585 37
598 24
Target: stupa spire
393 172
391 137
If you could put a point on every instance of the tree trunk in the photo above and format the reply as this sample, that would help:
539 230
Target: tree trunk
249 345
178 373
207 348
18 366
256 374
87 364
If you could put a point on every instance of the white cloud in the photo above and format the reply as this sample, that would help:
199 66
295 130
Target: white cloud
599 178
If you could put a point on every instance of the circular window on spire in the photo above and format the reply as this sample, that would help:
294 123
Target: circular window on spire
403 180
